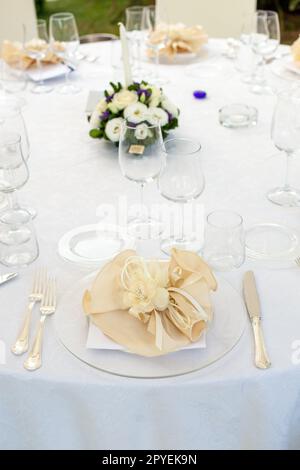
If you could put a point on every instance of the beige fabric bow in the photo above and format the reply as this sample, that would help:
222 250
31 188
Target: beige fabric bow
14 54
178 39
152 308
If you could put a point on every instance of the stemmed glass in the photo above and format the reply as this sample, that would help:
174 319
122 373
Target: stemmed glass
286 137
265 41
181 181
141 159
150 23
136 31
14 172
64 40
38 51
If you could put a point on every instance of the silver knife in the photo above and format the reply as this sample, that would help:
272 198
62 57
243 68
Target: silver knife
253 306
7 277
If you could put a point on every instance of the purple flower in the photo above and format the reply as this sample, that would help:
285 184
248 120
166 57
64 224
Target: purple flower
104 116
170 116
147 93
109 98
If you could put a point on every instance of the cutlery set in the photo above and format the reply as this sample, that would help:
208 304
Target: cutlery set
44 292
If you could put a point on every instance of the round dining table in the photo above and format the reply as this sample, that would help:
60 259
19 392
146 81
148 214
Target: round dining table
229 405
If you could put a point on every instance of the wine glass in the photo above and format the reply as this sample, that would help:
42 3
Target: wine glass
265 41
181 181
141 159
38 50
150 24
64 40
136 32
286 137
14 172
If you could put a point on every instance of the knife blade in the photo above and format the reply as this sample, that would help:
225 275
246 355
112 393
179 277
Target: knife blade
7 277
254 310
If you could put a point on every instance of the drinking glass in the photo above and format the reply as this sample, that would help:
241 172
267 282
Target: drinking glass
265 41
13 79
150 24
286 137
13 168
38 50
136 33
12 121
18 242
64 40
141 160
224 245
181 181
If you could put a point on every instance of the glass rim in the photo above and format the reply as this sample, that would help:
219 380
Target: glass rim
224 212
134 126
10 212
266 13
41 21
136 8
62 15
183 139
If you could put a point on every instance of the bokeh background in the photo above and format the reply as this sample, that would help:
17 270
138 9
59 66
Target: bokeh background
102 16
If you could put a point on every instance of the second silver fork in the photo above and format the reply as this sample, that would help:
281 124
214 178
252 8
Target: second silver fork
36 295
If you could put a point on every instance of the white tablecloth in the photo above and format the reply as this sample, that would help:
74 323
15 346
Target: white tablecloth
229 405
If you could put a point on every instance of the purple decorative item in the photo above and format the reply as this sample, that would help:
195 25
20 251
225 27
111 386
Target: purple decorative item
200 94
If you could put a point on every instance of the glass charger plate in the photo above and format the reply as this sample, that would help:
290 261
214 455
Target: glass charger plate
90 245
224 333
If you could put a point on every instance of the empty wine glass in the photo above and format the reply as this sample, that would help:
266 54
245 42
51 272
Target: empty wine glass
141 160
286 137
38 49
12 121
265 41
14 172
136 32
181 181
150 24
64 39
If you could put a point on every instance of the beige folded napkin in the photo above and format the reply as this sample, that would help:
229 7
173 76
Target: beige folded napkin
296 51
178 39
152 308
14 54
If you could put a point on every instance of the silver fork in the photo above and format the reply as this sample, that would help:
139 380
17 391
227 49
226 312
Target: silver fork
48 307
22 341
297 261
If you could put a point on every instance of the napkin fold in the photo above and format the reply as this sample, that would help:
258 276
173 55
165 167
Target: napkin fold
152 307
178 39
14 54
295 49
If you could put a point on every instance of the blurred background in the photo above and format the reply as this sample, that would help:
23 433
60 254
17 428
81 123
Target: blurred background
102 16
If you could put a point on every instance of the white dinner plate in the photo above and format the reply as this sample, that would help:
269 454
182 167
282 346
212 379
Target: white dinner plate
223 334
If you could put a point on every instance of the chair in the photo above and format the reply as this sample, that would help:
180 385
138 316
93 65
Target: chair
98 37
219 18
13 15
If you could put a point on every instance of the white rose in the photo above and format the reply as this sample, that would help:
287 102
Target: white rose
124 98
157 116
95 120
101 106
136 113
141 132
170 107
113 129
155 97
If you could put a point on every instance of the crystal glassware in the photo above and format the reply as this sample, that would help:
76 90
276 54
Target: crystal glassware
38 49
18 242
238 115
181 181
137 33
64 40
12 121
286 137
13 168
150 24
265 41
224 244
141 159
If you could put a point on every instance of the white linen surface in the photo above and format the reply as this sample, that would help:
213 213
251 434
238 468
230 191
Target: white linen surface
230 405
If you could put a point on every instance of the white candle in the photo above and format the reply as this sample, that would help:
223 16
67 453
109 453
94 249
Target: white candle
125 55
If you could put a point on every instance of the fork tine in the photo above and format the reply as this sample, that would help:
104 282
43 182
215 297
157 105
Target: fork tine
45 293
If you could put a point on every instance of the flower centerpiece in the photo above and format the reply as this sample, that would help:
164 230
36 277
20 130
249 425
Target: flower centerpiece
140 104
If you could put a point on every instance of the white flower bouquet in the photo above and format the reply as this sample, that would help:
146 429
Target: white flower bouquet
139 104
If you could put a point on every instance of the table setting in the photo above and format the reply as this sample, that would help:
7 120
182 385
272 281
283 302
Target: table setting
169 306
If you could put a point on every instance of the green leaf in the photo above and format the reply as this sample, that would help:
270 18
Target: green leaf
96 133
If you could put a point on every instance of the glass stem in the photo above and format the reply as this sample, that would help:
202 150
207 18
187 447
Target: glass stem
289 156
39 66
157 62
142 215
182 213
13 200
139 57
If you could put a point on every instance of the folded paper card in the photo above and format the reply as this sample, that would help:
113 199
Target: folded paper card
152 308
18 56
